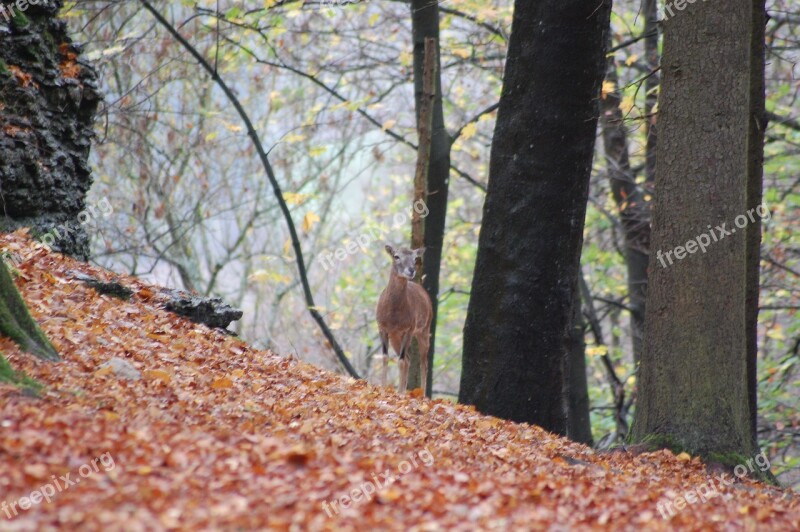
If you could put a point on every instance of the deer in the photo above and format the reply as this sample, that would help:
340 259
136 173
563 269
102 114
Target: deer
404 312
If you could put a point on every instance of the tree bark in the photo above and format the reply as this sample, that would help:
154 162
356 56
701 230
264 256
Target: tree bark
517 335
651 31
579 423
697 377
424 123
425 24
633 209
48 99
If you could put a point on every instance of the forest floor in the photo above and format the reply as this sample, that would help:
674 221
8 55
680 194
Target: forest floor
218 435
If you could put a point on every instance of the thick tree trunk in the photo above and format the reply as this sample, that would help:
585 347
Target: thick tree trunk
517 335
697 378
48 101
425 23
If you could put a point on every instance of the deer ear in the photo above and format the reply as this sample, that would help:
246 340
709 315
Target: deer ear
419 252
389 249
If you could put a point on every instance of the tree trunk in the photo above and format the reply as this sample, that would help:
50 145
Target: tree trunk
48 100
425 24
697 378
579 423
633 209
517 335
16 323
651 31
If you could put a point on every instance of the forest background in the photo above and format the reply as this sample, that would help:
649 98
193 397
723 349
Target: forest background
329 87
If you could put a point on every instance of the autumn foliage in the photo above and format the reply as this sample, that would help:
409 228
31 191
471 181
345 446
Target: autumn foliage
216 434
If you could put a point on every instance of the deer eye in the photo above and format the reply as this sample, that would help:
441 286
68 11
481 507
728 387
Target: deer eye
397 257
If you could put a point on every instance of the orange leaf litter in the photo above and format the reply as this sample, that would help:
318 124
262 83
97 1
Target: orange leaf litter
218 435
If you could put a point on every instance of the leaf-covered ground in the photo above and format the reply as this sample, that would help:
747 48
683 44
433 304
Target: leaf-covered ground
217 435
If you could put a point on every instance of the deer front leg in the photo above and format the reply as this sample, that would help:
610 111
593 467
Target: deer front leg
424 345
403 363
385 346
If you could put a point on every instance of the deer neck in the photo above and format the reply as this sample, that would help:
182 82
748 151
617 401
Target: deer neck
396 291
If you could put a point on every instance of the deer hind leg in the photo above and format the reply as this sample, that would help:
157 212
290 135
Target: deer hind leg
403 362
424 343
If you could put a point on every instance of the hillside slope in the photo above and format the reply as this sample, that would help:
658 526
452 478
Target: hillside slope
217 435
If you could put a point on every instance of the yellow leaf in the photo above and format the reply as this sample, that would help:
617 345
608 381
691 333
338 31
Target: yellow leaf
293 137
293 198
776 333
627 104
405 58
608 88
220 383
469 130
316 151
684 457
631 59
309 220
262 276
157 374
103 372
389 124
463 53
597 350
259 276
287 247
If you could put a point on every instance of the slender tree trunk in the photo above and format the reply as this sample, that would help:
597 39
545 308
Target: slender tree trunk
651 31
634 210
49 99
579 424
424 123
697 385
517 335
425 24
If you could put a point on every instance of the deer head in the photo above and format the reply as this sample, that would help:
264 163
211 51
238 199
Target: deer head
404 260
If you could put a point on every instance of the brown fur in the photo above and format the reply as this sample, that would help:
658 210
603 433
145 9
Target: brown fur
404 312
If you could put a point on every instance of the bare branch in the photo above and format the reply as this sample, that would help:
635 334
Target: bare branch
312 308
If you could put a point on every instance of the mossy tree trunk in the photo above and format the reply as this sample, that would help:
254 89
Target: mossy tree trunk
16 322
697 378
